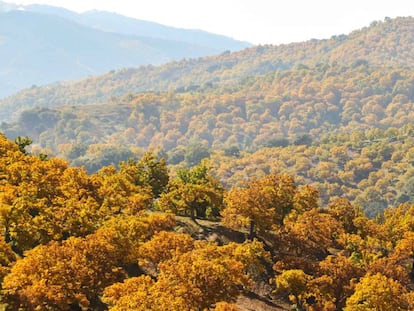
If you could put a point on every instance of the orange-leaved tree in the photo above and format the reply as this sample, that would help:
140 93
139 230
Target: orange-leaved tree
189 280
57 276
262 205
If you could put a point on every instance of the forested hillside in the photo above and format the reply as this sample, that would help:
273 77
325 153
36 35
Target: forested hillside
110 241
335 113
383 44
273 178
334 125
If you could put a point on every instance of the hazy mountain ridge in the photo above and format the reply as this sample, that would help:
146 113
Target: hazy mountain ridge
382 44
42 44
117 23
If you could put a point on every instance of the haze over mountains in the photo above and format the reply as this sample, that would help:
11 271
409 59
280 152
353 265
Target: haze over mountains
383 44
43 44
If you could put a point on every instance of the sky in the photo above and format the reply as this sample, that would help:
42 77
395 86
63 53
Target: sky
255 21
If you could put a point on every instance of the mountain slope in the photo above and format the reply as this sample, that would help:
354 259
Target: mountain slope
340 121
383 45
40 47
347 130
254 112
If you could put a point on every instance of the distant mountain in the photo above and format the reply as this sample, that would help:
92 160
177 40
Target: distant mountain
113 22
385 44
43 44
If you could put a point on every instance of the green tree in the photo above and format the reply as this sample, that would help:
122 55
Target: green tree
195 153
195 192
148 171
22 143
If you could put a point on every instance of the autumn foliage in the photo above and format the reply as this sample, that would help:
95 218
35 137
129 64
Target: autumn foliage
77 241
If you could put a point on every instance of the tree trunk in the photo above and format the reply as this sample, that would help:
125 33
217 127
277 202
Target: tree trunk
252 233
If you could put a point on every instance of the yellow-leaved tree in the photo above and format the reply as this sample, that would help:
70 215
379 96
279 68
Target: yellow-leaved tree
294 283
188 280
260 205
164 246
57 276
73 273
377 292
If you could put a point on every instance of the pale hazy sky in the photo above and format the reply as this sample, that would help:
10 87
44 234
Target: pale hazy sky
256 21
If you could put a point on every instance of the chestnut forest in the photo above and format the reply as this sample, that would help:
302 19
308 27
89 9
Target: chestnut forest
272 178
138 238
